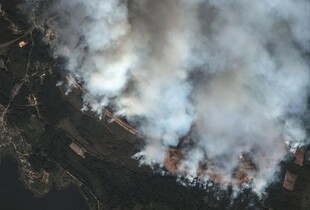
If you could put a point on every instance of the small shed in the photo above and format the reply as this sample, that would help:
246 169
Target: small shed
77 149
299 156
289 181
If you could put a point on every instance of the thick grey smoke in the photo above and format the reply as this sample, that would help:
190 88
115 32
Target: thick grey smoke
231 74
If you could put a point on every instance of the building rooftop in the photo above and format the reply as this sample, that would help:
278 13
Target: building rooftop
299 156
77 149
289 181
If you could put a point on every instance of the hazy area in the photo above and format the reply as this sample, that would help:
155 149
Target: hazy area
231 75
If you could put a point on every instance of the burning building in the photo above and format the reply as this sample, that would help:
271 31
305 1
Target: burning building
207 169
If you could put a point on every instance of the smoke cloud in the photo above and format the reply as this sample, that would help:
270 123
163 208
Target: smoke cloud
232 75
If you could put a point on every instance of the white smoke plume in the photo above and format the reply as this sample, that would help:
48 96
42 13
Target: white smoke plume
231 74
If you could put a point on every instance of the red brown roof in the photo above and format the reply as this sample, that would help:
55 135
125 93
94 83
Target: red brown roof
289 181
299 156
77 149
